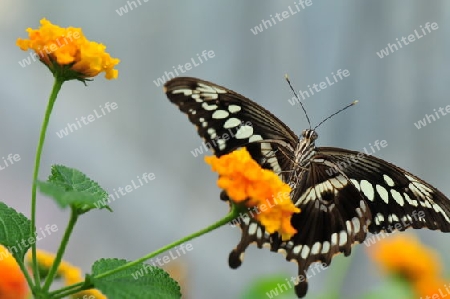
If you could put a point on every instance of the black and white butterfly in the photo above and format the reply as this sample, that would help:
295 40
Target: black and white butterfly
343 195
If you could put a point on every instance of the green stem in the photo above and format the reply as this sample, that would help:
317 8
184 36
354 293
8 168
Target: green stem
62 248
72 289
51 101
66 291
25 272
235 210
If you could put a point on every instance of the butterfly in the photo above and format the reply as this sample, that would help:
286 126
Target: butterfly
343 195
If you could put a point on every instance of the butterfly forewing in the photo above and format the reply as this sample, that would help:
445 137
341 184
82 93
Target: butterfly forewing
227 120
342 194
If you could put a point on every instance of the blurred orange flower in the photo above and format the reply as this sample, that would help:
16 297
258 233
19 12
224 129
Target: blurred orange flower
405 256
13 284
66 271
246 182
432 288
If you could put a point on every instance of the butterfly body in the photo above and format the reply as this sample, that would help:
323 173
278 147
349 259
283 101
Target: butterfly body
343 195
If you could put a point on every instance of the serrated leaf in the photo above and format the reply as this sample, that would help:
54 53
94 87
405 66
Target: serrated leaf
70 187
15 232
270 287
138 282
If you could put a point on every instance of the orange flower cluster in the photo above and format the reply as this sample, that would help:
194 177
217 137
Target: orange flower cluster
13 284
67 47
246 182
66 271
405 256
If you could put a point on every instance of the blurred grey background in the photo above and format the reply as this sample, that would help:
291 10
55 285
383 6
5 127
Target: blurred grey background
148 134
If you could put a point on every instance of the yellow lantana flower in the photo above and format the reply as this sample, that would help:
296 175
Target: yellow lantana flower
13 284
67 52
406 256
245 182
69 273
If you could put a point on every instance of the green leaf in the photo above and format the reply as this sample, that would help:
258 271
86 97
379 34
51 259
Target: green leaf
15 232
70 187
138 282
274 286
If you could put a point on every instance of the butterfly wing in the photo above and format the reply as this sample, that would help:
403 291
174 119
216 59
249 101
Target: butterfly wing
227 120
397 198
346 194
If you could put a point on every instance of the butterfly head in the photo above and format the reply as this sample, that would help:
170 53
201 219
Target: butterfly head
305 148
310 134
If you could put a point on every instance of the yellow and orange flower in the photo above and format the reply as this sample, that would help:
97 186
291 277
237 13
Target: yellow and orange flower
246 182
13 284
66 51
69 273
405 256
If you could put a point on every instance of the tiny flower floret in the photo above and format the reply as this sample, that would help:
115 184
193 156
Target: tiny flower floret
57 47
246 182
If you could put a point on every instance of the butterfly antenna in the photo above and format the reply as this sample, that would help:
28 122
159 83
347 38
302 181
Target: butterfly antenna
339 111
298 99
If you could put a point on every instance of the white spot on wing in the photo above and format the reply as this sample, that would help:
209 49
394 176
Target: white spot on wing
356 184
244 132
234 108
360 214
254 138
412 202
219 114
338 182
334 239
209 89
297 249
186 92
325 247
356 224
397 197
316 248
212 133
252 228
349 226
305 251
231 123
367 189
221 144
383 193
209 107
363 206
388 180
342 238
379 218
210 96
259 233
